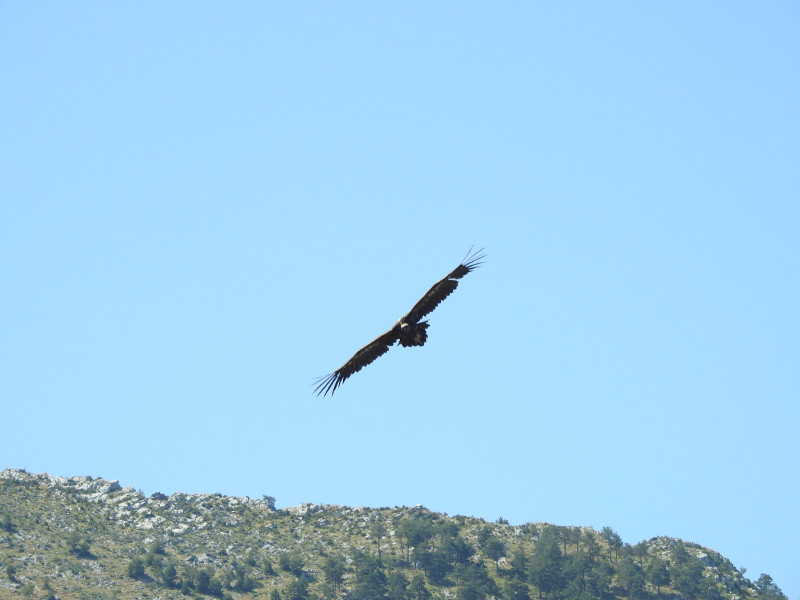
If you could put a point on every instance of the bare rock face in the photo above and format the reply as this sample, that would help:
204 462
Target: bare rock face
131 507
89 488
20 475
95 489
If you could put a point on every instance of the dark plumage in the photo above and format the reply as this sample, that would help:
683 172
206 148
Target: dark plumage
409 329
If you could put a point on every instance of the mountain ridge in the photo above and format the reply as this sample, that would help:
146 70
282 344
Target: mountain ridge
87 537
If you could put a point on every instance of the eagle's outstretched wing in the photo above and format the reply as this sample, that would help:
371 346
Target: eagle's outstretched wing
410 323
444 287
377 347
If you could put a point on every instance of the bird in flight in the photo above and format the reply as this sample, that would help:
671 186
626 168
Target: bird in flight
409 329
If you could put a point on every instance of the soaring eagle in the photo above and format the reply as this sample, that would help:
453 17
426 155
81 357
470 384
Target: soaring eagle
409 330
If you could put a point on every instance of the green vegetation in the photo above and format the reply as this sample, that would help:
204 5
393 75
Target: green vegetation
88 538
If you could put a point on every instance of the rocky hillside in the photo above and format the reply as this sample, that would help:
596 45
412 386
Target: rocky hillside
87 538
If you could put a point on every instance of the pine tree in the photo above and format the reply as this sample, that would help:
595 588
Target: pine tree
334 569
371 583
546 564
417 589
768 589
397 586
657 573
630 576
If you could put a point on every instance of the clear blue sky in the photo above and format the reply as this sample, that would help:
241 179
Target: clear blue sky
206 206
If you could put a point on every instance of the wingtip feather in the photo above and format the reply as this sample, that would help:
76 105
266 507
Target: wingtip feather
473 260
325 383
